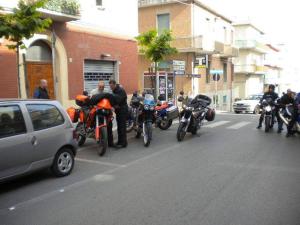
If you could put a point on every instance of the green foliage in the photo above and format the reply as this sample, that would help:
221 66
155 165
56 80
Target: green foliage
23 23
156 47
64 6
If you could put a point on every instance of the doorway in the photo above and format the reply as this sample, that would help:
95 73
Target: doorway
38 67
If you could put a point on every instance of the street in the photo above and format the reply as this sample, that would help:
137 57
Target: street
228 174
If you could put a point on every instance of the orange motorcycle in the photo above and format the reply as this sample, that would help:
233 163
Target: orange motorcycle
92 121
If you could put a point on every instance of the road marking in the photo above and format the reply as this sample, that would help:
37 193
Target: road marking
83 182
216 124
99 162
238 125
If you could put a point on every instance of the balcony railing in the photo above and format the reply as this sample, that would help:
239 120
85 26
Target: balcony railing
250 69
188 44
251 44
153 2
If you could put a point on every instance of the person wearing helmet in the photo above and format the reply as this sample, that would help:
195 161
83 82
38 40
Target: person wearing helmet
270 94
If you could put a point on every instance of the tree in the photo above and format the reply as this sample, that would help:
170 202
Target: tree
156 48
24 21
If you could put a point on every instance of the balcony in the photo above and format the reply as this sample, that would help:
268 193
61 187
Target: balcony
188 44
219 47
251 45
230 51
61 10
145 3
250 69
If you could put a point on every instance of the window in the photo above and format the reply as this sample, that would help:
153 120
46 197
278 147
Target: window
225 72
99 3
44 116
208 73
11 121
224 99
163 22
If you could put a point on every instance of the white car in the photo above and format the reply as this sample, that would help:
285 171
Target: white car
248 105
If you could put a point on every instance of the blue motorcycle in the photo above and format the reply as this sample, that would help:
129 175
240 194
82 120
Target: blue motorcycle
146 119
165 113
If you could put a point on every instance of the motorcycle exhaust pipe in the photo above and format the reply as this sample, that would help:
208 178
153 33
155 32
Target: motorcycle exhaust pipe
285 121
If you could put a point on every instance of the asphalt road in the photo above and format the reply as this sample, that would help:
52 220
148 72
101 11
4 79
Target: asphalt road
229 174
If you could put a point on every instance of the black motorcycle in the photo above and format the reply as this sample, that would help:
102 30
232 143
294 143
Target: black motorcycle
193 115
268 109
134 111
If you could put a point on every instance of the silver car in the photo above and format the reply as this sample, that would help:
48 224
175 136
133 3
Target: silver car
35 134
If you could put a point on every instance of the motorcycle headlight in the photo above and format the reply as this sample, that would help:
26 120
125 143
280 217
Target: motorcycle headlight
146 107
268 108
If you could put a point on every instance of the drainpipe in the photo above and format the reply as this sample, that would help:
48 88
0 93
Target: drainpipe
53 41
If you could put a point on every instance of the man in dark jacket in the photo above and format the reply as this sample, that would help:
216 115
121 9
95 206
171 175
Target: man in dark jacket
273 96
41 92
289 99
121 110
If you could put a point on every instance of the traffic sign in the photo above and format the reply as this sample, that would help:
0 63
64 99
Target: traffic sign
220 72
201 62
216 77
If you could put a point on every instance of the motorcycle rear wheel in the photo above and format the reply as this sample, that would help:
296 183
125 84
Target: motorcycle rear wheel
102 143
129 126
181 132
165 124
81 138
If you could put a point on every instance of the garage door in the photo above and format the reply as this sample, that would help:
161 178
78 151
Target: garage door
96 70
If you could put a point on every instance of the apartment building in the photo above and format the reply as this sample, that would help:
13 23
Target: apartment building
204 39
249 68
91 41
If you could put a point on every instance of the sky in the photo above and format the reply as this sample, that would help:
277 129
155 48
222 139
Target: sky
279 19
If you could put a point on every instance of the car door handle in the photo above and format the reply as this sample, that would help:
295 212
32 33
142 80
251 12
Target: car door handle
34 140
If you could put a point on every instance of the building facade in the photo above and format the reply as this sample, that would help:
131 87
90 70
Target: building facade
200 34
82 46
249 67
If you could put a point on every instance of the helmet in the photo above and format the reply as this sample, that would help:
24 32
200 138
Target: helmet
210 115
272 86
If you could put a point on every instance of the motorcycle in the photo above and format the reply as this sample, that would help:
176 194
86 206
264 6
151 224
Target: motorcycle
165 113
193 115
286 114
133 114
145 119
92 121
268 109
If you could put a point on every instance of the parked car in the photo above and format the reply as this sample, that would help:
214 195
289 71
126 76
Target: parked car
248 105
35 134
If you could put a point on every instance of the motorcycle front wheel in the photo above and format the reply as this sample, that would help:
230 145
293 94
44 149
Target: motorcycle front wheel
102 143
129 126
81 137
147 130
165 124
267 124
181 131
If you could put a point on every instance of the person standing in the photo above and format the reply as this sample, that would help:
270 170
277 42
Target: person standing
121 110
41 92
99 89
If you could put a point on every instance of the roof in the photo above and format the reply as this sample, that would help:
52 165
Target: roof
249 24
187 2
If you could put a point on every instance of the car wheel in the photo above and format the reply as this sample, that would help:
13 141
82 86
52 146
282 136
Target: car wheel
256 110
237 112
63 162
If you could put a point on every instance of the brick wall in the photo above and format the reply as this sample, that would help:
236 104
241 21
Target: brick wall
8 73
82 45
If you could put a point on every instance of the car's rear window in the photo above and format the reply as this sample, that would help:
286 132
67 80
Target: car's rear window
44 116
11 121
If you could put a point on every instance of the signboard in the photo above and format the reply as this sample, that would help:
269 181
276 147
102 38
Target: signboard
216 77
180 72
216 72
201 62
178 65
194 75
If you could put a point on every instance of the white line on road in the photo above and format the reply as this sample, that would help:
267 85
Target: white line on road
238 125
216 124
99 162
83 182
